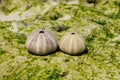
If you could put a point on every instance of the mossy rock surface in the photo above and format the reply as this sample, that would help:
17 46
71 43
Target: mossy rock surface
98 25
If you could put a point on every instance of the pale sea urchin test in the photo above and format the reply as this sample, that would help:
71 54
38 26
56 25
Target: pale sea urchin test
41 42
72 44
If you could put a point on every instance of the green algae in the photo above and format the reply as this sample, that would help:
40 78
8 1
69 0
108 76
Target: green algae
99 30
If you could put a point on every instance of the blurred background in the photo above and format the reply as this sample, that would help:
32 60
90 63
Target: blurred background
96 21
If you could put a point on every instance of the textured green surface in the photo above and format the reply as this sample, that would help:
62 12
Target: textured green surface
99 26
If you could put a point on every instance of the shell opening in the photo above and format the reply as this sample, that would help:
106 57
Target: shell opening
41 31
72 33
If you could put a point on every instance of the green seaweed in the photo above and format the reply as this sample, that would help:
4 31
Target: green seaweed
2 51
100 32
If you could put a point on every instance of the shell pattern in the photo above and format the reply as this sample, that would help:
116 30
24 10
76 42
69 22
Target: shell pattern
41 42
72 44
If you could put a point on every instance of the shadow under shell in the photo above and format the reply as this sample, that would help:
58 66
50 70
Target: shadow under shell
44 54
84 52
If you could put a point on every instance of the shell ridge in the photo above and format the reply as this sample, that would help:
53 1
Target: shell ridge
63 39
64 44
49 43
75 45
53 41
30 39
44 45
82 43
39 44
32 48
71 44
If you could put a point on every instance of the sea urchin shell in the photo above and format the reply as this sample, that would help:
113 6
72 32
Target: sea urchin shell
72 44
41 42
